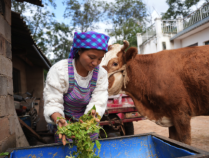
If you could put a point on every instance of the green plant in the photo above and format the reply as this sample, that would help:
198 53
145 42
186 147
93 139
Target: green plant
4 154
81 131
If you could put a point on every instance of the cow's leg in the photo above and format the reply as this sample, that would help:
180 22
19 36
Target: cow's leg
183 128
172 133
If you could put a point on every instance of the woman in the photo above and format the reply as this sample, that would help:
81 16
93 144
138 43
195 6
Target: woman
75 85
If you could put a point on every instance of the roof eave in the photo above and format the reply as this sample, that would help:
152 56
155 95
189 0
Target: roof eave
35 2
35 47
190 28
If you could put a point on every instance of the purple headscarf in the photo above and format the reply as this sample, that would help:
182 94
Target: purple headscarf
89 40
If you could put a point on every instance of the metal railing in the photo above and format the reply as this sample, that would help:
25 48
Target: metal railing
196 16
149 33
169 27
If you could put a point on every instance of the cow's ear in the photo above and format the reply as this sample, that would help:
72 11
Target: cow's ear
130 54
105 67
125 45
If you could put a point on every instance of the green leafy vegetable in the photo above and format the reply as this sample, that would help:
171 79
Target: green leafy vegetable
4 154
81 131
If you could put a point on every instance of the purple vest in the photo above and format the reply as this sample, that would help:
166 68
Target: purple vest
77 98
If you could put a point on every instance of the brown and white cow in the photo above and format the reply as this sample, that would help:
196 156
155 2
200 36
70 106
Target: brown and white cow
169 87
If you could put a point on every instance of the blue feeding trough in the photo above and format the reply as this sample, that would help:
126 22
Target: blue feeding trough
136 146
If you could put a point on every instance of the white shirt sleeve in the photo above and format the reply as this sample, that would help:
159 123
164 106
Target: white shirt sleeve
99 96
55 87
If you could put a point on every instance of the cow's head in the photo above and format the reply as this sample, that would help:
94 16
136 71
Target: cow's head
114 62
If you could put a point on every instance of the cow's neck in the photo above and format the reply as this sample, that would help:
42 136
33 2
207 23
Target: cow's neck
138 71
139 85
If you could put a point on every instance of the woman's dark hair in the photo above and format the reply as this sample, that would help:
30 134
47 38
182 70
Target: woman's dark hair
81 50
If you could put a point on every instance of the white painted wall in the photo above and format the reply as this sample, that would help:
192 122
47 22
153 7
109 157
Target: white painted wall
149 47
177 44
166 38
200 37
153 45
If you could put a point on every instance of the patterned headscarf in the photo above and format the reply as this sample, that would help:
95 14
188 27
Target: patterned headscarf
89 40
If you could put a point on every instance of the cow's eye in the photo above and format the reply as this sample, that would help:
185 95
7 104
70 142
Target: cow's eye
115 64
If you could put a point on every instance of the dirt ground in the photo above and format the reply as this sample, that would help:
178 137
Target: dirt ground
199 125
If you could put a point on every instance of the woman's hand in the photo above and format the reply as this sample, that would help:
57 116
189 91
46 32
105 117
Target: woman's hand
93 113
61 122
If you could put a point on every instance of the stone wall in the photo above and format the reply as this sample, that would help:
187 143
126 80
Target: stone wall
11 134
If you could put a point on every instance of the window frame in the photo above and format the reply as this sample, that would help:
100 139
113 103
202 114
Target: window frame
16 81
206 42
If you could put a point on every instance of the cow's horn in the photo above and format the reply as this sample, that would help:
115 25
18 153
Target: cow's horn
125 45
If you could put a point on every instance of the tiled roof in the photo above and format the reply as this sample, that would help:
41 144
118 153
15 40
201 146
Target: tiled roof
22 41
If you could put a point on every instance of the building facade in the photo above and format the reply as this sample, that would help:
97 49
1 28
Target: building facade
193 30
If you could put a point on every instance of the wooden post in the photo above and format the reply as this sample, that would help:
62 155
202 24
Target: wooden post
32 131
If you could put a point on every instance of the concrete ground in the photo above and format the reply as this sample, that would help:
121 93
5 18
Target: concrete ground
200 130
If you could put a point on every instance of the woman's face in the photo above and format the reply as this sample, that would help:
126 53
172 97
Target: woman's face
91 58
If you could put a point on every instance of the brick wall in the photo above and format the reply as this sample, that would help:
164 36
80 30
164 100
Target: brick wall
11 134
21 66
35 80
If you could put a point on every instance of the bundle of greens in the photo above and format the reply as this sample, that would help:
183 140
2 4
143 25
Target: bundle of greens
4 154
81 131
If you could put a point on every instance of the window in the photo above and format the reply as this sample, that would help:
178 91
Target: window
164 45
196 44
16 81
2 7
207 43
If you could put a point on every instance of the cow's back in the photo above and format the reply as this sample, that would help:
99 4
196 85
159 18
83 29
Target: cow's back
170 77
195 77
